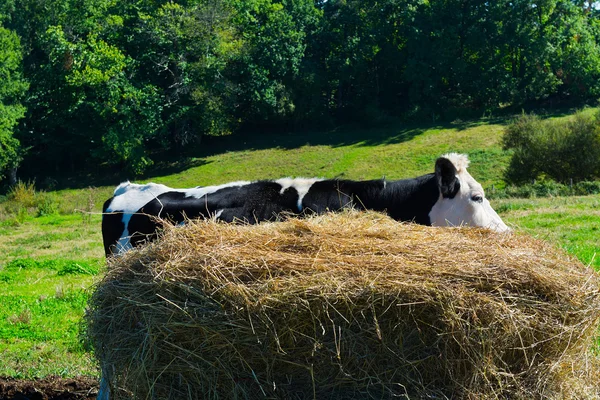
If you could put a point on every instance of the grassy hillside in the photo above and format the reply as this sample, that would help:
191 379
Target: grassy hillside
354 154
51 250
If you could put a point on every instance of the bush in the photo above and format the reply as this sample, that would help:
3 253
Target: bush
23 194
560 150
23 199
586 187
46 205
546 188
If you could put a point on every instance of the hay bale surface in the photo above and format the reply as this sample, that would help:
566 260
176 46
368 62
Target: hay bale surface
346 306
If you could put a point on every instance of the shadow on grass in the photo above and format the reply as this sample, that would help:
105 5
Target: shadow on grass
336 137
348 135
179 160
392 133
182 159
106 175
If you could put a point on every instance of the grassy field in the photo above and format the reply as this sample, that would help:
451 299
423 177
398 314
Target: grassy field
573 223
47 267
51 250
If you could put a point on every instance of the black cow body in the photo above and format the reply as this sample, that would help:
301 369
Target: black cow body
135 213
253 202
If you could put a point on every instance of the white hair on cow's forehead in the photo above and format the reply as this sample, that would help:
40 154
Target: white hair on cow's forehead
460 161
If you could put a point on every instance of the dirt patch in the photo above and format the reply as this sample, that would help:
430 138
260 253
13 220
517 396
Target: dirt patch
49 388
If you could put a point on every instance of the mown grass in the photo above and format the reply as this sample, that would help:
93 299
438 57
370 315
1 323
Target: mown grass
51 236
51 247
48 262
573 222
41 305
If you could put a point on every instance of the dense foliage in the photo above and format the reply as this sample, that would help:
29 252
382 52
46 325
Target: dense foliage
120 82
564 151
12 89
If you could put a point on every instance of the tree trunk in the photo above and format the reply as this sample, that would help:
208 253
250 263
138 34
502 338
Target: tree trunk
12 176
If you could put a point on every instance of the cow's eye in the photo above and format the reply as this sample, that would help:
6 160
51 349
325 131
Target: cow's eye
477 198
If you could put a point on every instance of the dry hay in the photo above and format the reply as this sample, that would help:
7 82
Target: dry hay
346 306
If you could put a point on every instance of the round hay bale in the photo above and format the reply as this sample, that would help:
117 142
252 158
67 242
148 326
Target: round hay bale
346 306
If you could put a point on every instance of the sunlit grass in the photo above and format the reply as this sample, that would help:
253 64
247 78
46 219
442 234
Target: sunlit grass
573 223
41 305
393 157
52 236
47 265
29 358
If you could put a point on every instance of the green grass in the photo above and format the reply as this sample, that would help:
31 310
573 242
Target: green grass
393 152
47 265
51 246
41 305
50 237
573 223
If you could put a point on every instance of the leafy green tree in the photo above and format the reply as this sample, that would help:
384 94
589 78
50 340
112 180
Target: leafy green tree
274 39
575 59
12 90
111 117
124 83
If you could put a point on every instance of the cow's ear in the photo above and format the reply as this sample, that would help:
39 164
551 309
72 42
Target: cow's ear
445 174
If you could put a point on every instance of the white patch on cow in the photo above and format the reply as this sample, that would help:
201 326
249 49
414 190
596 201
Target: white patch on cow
302 186
217 214
130 197
124 244
201 191
460 161
469 206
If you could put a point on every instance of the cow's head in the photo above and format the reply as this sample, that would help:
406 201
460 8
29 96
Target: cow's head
461 200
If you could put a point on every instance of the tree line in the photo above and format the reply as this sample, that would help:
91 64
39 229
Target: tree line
118 83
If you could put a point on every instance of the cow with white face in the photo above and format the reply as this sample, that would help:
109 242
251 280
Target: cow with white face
449 196
465 203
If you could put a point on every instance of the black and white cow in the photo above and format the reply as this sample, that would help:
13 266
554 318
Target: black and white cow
449 196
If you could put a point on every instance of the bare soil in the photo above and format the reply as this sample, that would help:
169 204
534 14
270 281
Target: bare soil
49 388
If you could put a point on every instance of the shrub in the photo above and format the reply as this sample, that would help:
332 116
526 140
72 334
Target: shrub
560 150
46 205
20 215
23 199
546 189
23 194
587 187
